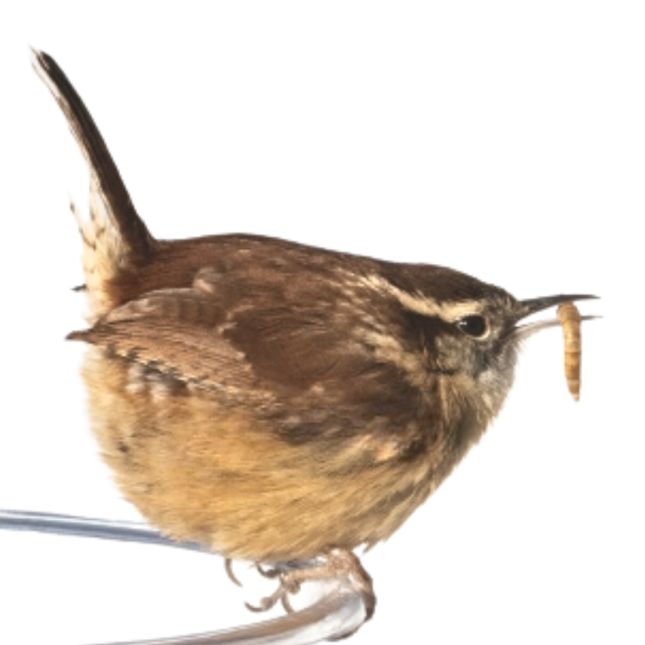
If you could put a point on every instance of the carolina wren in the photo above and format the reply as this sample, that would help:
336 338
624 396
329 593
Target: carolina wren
275 401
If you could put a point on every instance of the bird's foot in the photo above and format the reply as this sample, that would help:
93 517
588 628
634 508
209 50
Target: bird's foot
337 564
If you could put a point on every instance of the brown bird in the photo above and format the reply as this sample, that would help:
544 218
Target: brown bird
274 401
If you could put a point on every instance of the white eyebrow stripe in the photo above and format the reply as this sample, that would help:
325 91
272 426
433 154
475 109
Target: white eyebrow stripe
450 311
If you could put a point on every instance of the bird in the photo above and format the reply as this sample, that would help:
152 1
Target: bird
278 402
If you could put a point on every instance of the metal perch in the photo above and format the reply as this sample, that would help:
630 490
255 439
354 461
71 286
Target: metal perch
338 613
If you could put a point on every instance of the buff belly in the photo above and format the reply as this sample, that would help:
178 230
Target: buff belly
202 470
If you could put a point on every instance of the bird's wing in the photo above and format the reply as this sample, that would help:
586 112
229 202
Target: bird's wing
178 332
226 332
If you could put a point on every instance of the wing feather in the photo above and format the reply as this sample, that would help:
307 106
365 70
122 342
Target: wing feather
177 332
263 346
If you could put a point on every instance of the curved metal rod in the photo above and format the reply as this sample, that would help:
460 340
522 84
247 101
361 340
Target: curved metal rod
340 612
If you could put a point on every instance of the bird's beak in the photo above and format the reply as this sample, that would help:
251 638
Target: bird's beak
529 307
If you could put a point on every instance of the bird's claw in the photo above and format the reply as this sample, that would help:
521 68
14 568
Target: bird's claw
271 572
282 593
337 563
228 565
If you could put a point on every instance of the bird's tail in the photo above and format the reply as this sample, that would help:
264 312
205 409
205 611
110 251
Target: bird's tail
115 238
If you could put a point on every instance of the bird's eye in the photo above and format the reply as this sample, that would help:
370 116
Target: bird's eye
474 326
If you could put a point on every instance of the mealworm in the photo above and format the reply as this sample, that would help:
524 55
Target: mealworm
570 321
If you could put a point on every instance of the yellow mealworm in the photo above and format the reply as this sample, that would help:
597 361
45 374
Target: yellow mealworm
570 321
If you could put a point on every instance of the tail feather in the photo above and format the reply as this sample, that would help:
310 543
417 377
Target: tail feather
115 238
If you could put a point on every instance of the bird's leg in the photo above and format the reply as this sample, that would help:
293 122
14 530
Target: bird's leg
338 564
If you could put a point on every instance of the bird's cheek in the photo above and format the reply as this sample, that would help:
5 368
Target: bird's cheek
452 355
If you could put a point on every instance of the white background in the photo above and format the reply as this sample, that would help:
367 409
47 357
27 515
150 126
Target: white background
506 140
